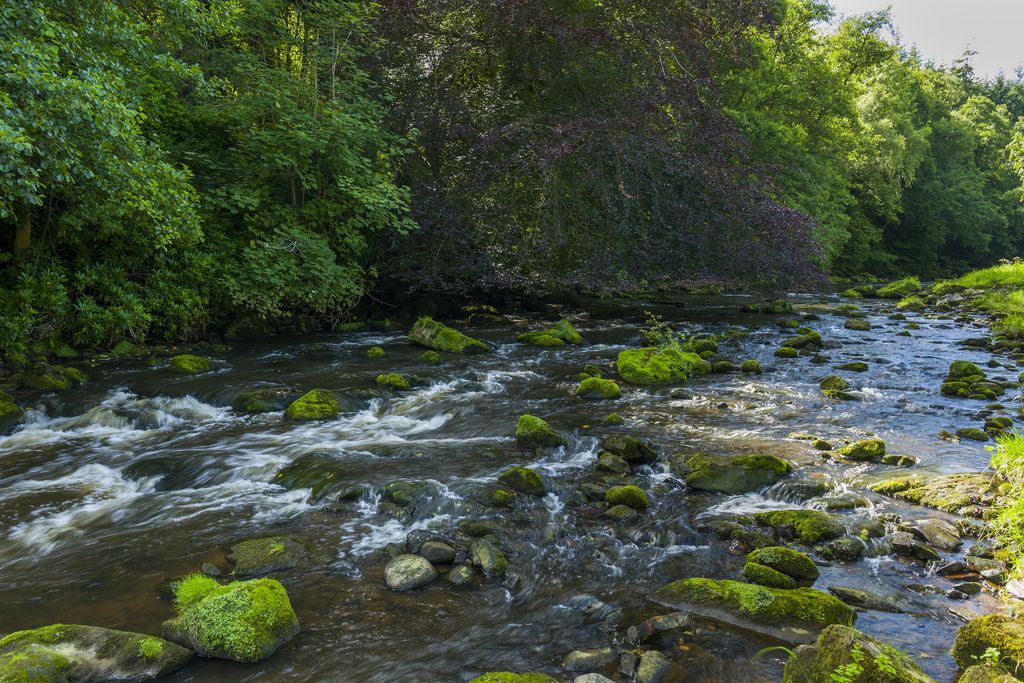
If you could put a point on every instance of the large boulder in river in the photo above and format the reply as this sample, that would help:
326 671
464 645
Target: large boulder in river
408 572
732 474
991 631
971 494
986 673
837 649
654 365
807 526
428 332
318 404
792 563
534 432
792 615
559 335
243 621
524 480
70 653
866 450
187 364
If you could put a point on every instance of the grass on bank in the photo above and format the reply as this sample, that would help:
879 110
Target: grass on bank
1009 274
1008 526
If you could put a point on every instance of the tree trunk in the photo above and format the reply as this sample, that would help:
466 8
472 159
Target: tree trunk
23 231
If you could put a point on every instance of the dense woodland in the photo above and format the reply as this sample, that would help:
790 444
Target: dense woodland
169 168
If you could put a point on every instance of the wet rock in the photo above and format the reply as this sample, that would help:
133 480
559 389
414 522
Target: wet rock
583 660
751 367
633 496
393 380
533 432
375 352
845 501
856 366
904 543
609 462
972 433
986 673
859 597
652 667
794 616
261 401
460 576
654 365
612 420
71 653
488 558
595 387
244 621
523 480
410 493
857 324
848 548
318 404
10 413
835 650
995 631
821 445
969 494
432 334
774 307
793 564
809 526
633 450
563 332
408 572
937 532
437 552
786 352
620 513
188 364
730 474
807 340
867 450
432 357
263 556
766 576
592 678
896 460
662 624
326 476
509 677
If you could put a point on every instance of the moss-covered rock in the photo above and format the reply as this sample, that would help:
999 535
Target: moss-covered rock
263 556
809 526
731 474
774 307
855 366
317 404
491 561
972 433
48 378
857 324
432 334
792 563
986 673
261 401
509 677
562 333
243 621
10 413
430 357
794 615
653 365
751 366
805 340
394 381
866 450
542 339
860 657
766 576
972 494
187 364
595 387
630 448
534 432
836 387
899 288
995 631
630 495
67 653
786 352
524 480
375 352
612 420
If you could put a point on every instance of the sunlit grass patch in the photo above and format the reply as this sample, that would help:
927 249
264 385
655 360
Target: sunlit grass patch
1001 302
1003 275
1008 526
1011 326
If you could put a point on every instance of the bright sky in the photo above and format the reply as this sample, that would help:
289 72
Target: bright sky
942 29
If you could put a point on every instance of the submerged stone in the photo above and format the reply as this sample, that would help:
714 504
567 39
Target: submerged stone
731 474
559 335
261 401
653 365
534 432
791 615
840 648
71 653
243 621
630 448
971 494
262 556
432 334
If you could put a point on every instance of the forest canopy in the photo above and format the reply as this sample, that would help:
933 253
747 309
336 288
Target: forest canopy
172 168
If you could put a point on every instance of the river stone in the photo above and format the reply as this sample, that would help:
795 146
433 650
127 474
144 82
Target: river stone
509 677
10 413
71 653
867 450
991 631
731 474
609 462
408 572
865 599
592 678
653 365
938 533
620 513
188 364
244 621
970 494
261 401
652 667
524 480
633 496
986 673
834 650
428 332
561 334
595 387
766 576
794 616
534 432
488 558
792 563
437 552
263 556
630 448
460 576
809 526
317 404
904 543
582 660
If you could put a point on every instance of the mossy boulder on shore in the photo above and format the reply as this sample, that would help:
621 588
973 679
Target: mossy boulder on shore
863 658
654 365
991 631
534 432
317 404
428 332
731 474
65 653
792 615
243 621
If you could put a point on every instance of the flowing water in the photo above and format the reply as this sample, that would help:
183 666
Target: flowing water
140 476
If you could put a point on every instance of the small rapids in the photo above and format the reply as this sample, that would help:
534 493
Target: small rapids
139 477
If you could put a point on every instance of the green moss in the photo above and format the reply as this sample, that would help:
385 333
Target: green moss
317 404
633 496
432 334
810 526
960 369
194 588
766 576
972 433
786 352
540 339
534 432
805 340
857 324
375 352
733 474
508 677
127 348
899 288
597 387
611 419
244 621
188 364
393 380
851 294
10 413
857 656
430 357
654 365
790 562
524 480
260 401
151 648
833 384
502 498
992 631
856 366
751 366
564 330
867 450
